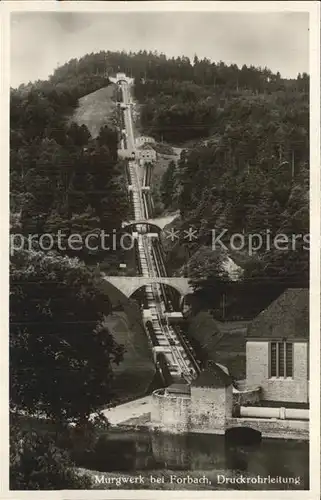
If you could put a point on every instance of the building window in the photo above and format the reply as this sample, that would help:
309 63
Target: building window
281 359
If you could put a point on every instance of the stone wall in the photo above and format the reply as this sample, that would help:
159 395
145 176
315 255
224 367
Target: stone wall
205 410
171 413
277 389
209 411
209 408
246 395
273 428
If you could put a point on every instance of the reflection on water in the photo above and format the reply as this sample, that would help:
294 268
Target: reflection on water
200 454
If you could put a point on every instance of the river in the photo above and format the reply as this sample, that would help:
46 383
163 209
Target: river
162 457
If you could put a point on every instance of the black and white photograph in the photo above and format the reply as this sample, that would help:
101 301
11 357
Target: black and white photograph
160 324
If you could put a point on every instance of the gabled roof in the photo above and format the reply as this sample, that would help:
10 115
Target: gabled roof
286 317
212 376
178 388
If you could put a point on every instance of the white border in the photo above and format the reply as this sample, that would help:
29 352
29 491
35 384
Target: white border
161 6
313 8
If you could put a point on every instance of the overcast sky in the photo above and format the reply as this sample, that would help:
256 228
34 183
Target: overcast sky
41 41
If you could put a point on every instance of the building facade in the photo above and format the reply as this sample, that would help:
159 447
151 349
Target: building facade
211 400
277 349
143 139
121 77
146 153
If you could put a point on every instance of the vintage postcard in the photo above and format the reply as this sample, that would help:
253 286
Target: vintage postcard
163 337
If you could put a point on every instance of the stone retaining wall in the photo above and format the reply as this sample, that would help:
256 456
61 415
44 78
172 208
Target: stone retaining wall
202 414
246 395
273 428
171 413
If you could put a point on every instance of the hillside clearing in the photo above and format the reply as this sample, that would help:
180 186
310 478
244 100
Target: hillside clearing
96 110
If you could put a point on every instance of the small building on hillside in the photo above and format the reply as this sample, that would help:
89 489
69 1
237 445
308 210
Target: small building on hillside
146 153
277 349
144 139
121 77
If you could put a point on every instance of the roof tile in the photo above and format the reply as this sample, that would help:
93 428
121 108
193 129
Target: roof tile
286 317
212 376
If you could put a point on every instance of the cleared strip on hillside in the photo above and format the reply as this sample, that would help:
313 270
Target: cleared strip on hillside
96 110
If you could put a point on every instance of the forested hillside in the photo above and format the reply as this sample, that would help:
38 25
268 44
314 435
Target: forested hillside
245 170
61 178
63 350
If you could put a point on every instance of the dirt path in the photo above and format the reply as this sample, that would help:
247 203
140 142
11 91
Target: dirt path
132 409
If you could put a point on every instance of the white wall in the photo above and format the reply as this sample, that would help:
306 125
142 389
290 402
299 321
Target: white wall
278 389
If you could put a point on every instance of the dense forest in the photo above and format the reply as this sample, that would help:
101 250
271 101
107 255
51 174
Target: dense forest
62 179
244 167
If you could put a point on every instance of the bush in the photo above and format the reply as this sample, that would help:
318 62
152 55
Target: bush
37 463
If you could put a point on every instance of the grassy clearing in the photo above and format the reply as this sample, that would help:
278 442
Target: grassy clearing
96 110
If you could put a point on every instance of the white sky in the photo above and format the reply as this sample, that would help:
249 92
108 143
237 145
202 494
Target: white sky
42 40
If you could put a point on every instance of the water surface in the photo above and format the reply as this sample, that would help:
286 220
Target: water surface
166 456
